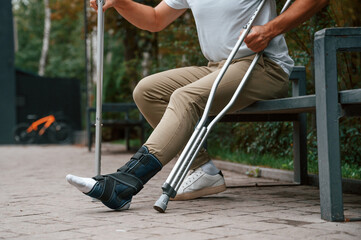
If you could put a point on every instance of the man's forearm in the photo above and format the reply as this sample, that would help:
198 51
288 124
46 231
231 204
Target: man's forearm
299 12
141 16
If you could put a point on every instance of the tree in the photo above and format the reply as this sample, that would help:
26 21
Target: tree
45 48
64 54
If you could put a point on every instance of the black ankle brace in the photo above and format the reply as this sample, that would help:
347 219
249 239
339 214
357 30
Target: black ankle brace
134 174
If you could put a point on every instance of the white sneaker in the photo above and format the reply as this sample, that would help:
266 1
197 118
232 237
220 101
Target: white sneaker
199 184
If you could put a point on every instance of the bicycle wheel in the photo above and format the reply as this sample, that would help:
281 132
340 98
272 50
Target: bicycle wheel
60 132
22 136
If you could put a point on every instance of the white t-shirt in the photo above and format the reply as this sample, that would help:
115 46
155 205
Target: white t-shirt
219 23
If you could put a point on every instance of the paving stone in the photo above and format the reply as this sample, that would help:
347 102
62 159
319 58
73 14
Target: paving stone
303 233
253 236
38 203
350 229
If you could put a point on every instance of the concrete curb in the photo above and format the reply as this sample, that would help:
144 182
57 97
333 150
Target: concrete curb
276 174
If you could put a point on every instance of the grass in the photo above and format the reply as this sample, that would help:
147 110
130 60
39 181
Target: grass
352 171
265 160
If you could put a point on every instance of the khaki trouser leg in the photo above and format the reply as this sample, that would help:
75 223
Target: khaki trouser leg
173 101
153 93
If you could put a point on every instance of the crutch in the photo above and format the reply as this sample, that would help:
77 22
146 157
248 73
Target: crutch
99 61
179 171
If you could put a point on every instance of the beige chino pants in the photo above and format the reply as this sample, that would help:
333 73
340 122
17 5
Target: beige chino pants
173 101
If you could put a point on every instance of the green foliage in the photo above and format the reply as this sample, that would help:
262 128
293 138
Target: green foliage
240 156
350 140
270 144
178 45
255 138
66 50
30 24
114 68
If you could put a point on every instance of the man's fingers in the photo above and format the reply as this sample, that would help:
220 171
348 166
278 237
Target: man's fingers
256 39
252 35
106 5
93 5
249 38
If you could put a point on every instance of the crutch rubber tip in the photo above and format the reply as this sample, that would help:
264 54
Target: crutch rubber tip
161 204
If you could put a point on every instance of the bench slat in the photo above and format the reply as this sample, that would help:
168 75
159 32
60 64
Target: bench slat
115 107
275 117
284 105
120 123
350 96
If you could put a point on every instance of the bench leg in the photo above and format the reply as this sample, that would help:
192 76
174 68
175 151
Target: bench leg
90 139
90 142
327 114
300 150
127 138
88 126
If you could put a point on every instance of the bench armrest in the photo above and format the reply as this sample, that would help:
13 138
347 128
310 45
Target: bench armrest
298 77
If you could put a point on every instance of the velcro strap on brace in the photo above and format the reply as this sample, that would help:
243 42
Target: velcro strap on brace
128 179
138 156
110 181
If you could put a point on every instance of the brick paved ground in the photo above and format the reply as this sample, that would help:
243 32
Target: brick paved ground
38 203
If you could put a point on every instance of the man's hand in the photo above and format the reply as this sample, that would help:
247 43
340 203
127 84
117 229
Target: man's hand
300 11
108 4
258 38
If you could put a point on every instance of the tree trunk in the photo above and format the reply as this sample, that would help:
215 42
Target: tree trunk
45 48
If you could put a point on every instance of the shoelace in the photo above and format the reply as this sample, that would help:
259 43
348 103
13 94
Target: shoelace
193 175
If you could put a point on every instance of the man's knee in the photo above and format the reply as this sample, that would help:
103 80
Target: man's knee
141 90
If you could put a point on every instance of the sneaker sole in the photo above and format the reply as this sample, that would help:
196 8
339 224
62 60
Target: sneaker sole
199 193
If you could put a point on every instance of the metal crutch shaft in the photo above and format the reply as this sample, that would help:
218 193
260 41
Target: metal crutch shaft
207 129
183 164
192 147
189 149
196 141
98 114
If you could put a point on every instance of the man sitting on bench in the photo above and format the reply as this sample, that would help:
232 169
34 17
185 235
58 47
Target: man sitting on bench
173 101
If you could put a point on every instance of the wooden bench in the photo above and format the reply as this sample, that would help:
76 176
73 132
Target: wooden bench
329 104
125 121
285 109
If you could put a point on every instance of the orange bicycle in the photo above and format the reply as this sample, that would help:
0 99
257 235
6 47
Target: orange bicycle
46 129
